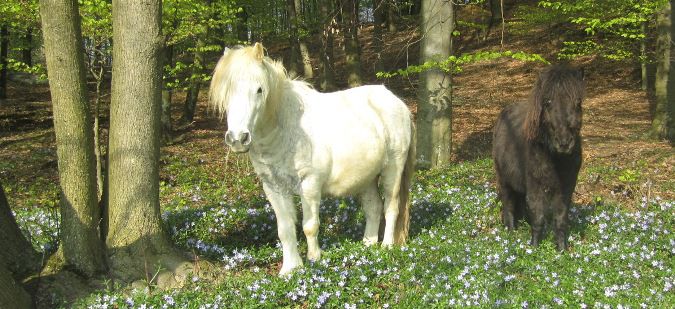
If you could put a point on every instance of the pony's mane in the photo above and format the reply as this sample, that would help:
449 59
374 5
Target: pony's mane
231 67
553 82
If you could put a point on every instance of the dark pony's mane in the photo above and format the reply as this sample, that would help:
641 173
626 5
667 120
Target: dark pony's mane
556 83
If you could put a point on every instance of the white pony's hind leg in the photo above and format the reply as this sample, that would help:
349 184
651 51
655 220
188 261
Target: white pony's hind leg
372 206
311 198
391 183
284 209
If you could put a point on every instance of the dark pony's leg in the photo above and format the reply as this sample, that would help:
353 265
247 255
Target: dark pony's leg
520 208
562 227
509 200
538 189
536 212
568 171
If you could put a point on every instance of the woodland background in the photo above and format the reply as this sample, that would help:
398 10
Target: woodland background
117 190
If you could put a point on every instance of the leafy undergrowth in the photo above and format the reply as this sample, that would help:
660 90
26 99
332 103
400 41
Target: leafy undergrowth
458 253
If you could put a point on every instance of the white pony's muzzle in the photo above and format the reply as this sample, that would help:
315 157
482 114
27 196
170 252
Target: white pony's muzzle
238 141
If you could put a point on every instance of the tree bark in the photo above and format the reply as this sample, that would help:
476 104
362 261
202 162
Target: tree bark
82 248
167 93
671 78
391 16
293 41
4 48
662 116
27 51
18 259
242 25
17 255
12 294
643 61
379 19
192 96
434 112
327 46
134 233
350 15
305 59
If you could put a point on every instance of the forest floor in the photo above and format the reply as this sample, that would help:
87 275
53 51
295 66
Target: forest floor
621 163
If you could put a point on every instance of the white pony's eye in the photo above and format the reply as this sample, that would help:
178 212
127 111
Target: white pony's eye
259 90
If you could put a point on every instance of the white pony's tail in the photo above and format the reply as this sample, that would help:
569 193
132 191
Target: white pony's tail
403 219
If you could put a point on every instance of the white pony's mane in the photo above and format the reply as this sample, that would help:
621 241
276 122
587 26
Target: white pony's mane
232 67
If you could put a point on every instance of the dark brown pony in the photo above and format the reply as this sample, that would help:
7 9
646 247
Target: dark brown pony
537 153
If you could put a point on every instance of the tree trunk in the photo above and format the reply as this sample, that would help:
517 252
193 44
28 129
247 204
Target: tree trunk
327 46
18 259
82 247
242 25
643 58
434 112
391 16
4 48
495 16
350 15
27 51
195 82
135 236
12 294
293 41
661 120
17 255
305 59
165 119
378 25
671 78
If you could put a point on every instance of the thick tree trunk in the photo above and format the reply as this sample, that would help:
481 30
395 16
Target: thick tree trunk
12 294
17 255
327 46
4 48
378 25
18 259
135 236
80 216
662 117
350 15
305 59
434 112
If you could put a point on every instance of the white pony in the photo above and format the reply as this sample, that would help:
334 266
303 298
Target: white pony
308 143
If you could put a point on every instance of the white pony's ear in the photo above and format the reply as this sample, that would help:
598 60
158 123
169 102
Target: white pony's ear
226 50
258 51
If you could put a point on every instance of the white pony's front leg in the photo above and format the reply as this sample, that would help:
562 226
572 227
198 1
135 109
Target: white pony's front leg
286 217
311 199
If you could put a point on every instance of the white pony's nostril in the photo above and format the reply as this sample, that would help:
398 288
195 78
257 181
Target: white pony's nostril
245 138
228 138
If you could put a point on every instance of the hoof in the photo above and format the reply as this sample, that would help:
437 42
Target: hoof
369 241
314 256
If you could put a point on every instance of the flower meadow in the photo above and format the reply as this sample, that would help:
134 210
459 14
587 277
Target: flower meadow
459 254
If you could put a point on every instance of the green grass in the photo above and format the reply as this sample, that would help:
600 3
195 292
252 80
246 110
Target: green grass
458 253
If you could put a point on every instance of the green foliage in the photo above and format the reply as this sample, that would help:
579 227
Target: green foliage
612 27
454 64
